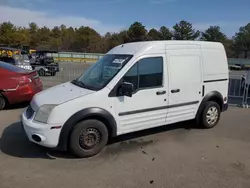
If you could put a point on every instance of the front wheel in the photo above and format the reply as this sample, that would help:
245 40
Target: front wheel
210 115
88 138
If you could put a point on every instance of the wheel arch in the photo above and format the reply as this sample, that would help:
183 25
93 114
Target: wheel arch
211 96
89 113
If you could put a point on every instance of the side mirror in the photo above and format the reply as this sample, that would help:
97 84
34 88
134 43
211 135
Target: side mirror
126 89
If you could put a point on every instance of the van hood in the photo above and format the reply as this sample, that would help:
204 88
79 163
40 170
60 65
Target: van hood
59 94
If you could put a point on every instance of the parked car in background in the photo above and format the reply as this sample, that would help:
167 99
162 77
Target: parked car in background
235 67
44 63
17 84
17 60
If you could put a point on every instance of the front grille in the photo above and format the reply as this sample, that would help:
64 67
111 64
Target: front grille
29 112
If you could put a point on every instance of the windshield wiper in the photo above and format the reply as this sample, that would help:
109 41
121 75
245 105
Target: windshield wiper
78 83
83 85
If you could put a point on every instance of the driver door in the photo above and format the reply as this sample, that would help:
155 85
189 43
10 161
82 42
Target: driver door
148 105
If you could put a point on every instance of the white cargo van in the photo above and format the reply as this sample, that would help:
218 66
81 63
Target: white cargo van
135 86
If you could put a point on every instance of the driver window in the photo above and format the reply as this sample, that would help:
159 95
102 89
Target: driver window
146 73
132 76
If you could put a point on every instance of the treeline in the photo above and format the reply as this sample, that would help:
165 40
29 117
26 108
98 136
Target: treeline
86 39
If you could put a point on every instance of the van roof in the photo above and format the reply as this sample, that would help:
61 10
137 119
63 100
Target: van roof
134 47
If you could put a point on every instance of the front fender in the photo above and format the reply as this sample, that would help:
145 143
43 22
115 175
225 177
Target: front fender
95 113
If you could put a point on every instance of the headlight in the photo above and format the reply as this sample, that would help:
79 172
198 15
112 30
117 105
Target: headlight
43 113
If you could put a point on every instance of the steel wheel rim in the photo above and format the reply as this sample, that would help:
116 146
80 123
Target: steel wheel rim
89 138
212 115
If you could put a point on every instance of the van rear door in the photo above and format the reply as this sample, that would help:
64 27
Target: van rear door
185 81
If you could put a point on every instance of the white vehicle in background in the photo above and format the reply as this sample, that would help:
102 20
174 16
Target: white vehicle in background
17 60
235 67
135 86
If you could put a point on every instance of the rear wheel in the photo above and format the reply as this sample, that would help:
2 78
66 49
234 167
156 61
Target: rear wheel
210 115
2 102
88 138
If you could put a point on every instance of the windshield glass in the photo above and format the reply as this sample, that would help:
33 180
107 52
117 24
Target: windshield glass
102 72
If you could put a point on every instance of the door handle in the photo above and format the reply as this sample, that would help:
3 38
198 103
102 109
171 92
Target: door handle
160 92
175 90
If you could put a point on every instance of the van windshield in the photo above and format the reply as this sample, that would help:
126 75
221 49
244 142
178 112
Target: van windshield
102 72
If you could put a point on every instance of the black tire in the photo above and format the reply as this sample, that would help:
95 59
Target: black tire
204 121
79 146
41 72
2 102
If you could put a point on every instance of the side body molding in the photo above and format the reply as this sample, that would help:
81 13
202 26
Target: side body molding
95 113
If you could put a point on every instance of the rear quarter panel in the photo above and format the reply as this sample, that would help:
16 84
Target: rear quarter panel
215 65
6 81
215 70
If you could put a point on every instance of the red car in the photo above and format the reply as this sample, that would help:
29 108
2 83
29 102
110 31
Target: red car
17 85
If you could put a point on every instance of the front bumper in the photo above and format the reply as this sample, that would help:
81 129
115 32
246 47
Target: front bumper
42 134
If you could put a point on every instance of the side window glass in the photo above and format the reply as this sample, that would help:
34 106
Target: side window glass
146 73
132 76
150 72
